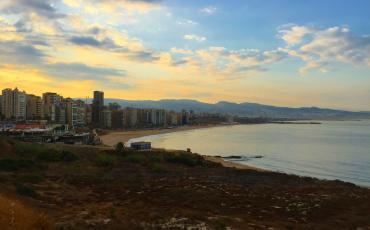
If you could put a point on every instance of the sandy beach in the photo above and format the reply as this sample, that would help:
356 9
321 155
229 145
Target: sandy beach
112 138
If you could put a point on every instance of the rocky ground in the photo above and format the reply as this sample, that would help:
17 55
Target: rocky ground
100 189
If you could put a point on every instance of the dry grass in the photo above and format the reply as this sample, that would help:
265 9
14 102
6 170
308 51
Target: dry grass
14 215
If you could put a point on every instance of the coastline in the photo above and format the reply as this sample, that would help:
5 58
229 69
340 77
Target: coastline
230 164
112 138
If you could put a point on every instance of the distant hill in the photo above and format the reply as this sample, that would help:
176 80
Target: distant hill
243 109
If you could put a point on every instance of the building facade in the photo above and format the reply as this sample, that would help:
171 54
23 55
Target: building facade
54 112
14 104
34 107
98 109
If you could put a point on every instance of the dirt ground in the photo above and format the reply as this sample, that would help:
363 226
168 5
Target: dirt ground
142 191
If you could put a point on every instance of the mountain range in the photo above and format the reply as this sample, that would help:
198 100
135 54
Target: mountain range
246 109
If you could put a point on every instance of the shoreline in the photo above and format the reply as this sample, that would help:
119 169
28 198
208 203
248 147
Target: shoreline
112 138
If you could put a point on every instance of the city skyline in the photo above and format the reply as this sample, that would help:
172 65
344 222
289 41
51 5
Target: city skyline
286 54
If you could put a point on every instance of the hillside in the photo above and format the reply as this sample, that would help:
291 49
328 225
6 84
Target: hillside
97 188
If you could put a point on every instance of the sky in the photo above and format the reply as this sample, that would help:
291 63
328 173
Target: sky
284 53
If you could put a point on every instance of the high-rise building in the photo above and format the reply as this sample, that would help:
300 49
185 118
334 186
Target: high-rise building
14 104
144 118
34 107
53 110
70 111
158 117
130 117
97 109
51 98
80 116
1 110
75 113
107 119
118 119
88 114
61 113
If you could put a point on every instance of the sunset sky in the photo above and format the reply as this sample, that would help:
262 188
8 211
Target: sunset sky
286 53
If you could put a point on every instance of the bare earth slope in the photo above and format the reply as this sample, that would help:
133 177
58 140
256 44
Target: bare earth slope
98 189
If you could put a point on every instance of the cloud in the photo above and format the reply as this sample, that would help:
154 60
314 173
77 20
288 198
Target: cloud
187 22
114 6
20 53
194 37
209 10
82 71
44 8
9 32
143 56
321 47
84 40
181 51
293 35
106 43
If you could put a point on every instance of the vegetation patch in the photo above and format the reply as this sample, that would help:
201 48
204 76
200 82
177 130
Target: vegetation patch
68 156
32 178
136 158
25 190
10 165
105 160
120 148
183 158
158 168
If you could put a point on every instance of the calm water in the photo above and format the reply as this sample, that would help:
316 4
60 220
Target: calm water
332 150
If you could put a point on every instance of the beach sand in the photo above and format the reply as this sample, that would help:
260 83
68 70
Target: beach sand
112 138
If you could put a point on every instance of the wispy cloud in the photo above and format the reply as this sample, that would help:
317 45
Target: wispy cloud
194 37
320 47
187 22
209 10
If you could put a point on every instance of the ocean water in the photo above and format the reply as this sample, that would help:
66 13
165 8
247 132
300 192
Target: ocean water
331 150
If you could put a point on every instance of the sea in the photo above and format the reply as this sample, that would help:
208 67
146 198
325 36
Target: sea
330 150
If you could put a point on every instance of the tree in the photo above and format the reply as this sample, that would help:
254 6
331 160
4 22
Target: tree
120 148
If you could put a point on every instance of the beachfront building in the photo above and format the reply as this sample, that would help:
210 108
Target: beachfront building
107 119
75 113
34 107
172 118
118 119
141 145
51 108
158 117
98 109
14 104
1 112
130 117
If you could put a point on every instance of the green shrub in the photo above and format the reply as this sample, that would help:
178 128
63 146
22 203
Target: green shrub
105 160
120 148
158 168
25 190
31 178
27 149
136 158
68 156
49 155
8 165
155 157
113 213
187 159
14 165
